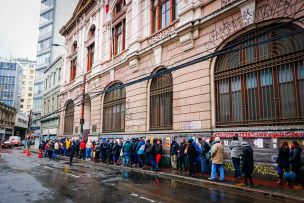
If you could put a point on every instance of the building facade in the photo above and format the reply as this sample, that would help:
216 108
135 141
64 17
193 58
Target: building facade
11 83
53 15
7 121
50 98
21 125
28 77
206 68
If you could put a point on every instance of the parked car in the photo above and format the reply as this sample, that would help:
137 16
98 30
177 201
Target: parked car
16 140
8 144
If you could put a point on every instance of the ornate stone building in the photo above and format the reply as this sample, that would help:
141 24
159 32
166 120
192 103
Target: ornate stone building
7 121
238 68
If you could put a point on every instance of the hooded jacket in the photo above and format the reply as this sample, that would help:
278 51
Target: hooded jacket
295 158
236 149
247 158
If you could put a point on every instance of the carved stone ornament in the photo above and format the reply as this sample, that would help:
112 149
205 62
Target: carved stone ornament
161 35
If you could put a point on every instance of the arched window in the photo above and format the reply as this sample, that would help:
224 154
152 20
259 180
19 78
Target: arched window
114 110
161 102
69 118
263 84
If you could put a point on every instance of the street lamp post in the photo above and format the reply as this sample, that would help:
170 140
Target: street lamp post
83 91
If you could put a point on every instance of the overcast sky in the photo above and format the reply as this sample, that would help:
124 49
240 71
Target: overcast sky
19 20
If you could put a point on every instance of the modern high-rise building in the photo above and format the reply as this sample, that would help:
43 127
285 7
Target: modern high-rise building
28 78
53 15
10 83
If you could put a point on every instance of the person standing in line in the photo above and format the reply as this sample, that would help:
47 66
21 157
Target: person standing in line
283 161
152 156
89 146
295 160
148 148
67 146
77 148
72 152
174 147
82 149
236 150
247 163
110 152
116 152
192 154
182 155
205 168
103 150
217 157
158 152
127 152
140 150
56 149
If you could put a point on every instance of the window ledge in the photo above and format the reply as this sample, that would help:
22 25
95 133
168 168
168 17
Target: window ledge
161 34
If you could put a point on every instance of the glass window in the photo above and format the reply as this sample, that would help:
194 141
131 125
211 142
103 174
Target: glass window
161 106
266 90
47 17
46 4
44 45
45 30
43 59
114 110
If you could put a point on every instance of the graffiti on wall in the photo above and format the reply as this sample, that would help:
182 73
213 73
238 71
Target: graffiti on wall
260 134
258 169
263 11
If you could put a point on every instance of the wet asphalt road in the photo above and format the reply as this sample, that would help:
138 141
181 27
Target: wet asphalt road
29 179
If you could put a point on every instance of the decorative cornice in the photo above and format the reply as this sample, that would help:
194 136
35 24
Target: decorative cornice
81 8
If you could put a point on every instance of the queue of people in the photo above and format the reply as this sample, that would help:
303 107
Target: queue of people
205 156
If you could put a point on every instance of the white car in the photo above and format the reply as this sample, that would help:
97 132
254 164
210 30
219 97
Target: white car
8 144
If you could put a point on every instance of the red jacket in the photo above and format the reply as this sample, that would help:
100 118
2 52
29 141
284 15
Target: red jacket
82 145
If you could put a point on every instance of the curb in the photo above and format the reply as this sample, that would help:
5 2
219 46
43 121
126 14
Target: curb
198 182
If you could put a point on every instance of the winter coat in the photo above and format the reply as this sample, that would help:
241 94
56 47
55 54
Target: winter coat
82 145
110 147
140 148
295 158
174 148
205 149
191 152
283 157
247 159
217 153
236 148
72 150
158 149
116 150
148 148
127 148
181 149
67 144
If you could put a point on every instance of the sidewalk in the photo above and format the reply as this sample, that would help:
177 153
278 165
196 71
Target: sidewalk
262 187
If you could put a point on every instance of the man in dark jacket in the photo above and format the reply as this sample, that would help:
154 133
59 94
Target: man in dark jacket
192 154
110 152
182 155
152 156
103 150
295 159
148 147
72 152
173 154
283 161
247 162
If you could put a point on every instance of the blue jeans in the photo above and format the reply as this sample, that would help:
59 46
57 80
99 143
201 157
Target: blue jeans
214 169
88 153
236 164
153 162
126 159
205 168
55 153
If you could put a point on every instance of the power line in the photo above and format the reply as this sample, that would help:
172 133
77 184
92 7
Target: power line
194 61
